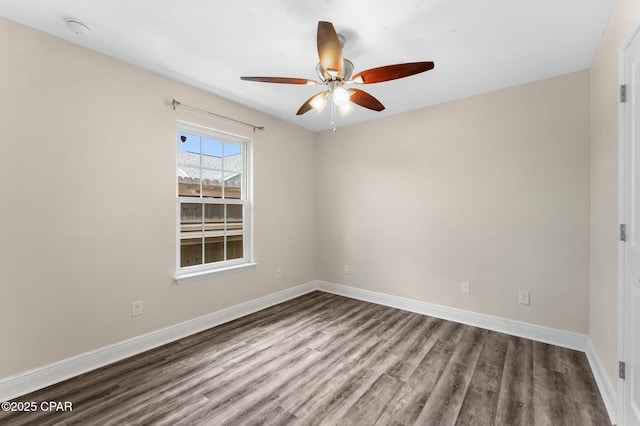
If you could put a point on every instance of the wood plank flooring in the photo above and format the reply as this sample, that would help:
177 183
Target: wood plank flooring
323 359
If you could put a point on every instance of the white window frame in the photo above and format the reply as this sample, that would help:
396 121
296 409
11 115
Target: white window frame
208 270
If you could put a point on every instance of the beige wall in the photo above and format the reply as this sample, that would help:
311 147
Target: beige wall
603 317
88 201
492 189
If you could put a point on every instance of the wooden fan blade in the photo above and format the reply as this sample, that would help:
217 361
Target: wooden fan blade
329 49
391 72
307 105
364 99
282 80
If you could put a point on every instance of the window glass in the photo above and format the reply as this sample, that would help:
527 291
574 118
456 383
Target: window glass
212 197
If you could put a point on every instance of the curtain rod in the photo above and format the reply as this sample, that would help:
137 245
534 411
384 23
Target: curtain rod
175 103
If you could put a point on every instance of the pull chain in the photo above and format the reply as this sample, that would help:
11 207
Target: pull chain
333 117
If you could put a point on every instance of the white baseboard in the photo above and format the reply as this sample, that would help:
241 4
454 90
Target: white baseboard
23 383
608 392
552 336
538 333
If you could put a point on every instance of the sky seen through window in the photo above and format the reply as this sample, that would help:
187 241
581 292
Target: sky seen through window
210 147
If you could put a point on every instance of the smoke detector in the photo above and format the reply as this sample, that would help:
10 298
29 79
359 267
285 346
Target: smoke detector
77 27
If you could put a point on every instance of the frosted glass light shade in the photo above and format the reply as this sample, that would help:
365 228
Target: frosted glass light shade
340 96
319 101
346 109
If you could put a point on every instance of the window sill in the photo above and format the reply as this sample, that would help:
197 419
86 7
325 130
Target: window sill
188 277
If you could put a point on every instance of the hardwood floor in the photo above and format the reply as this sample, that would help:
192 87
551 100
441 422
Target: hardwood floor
326 359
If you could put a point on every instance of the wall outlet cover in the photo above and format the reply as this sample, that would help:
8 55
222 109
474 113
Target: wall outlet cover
136 308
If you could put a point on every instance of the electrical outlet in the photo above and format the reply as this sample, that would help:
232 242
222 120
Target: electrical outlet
278 273
136 308
465 287
523 297
346 269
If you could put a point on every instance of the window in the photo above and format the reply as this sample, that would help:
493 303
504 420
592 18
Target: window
214 203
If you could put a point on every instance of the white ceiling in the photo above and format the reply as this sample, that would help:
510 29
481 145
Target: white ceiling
477 45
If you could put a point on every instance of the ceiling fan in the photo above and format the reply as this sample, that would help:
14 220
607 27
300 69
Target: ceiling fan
334 71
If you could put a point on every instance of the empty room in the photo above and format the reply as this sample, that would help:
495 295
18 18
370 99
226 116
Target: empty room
296 213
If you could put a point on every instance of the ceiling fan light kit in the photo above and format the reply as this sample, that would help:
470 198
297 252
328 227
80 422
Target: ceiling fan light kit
340 95
319 101
346 109
334 71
